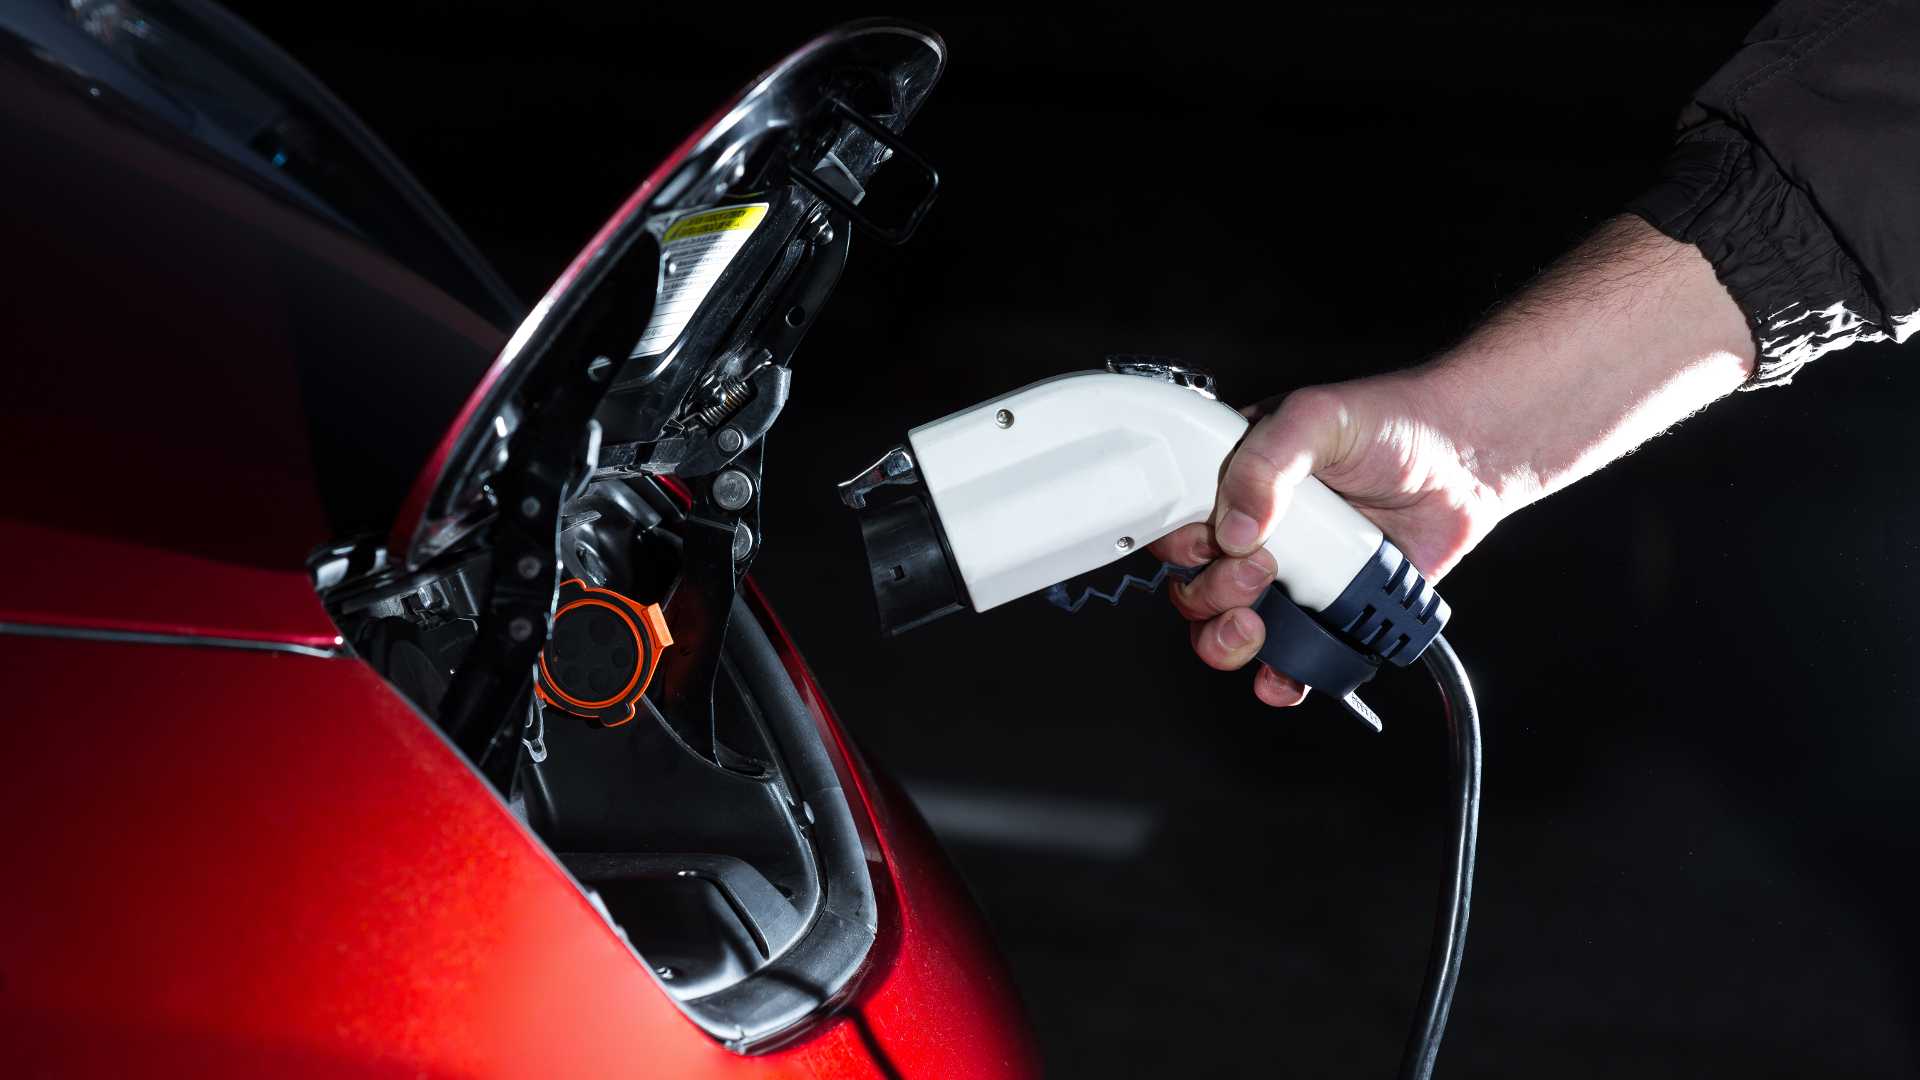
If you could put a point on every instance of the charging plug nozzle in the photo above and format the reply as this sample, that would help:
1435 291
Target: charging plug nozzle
914 580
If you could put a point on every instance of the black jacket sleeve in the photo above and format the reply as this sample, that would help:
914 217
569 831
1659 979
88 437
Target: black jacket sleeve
1797 173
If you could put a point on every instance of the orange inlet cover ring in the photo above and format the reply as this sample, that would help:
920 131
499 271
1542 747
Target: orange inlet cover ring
603 652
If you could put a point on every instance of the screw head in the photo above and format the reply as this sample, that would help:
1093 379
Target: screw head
520 629
730 440
1003 418
1125 543
528 566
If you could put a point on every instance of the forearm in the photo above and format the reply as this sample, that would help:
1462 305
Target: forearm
1623 338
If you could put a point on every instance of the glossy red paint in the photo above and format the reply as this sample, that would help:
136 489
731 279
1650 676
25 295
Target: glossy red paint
78 578
179 393
273 866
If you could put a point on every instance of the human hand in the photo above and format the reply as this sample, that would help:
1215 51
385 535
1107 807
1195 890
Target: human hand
1387 444
1624 337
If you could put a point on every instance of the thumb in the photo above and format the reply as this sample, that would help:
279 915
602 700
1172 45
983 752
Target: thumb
1279 451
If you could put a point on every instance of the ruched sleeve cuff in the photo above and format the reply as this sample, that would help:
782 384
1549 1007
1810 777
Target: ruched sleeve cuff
1802 294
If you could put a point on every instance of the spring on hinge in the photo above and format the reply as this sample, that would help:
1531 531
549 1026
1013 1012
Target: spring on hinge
732 396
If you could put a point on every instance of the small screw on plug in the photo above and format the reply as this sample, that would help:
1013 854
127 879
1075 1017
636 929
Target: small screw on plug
1125 543
1003 418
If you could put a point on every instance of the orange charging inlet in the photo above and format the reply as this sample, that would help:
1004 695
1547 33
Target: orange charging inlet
603 652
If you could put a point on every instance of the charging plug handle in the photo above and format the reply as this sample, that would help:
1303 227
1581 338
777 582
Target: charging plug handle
1297 645
1387 614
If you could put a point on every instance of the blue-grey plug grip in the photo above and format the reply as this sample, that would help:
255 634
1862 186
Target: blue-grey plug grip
1388 609
1297 645
1387 613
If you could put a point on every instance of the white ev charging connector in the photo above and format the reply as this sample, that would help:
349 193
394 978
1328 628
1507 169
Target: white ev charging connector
1022 492
1064 476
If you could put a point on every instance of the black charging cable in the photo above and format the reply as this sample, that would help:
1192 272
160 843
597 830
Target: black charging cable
1456 893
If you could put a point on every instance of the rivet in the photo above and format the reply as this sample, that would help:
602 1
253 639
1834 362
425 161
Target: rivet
732 489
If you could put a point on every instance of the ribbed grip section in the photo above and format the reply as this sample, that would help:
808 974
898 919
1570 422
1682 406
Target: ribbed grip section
1388 610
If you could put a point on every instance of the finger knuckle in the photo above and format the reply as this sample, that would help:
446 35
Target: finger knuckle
1312 407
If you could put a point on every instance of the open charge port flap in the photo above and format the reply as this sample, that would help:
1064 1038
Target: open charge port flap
747 893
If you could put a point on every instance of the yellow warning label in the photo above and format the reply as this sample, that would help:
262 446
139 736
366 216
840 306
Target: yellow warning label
708 222
696 248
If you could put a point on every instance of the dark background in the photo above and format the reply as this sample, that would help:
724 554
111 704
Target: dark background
1699 798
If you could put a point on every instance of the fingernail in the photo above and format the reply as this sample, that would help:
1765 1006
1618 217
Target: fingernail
1254 573
1237 532
1233 632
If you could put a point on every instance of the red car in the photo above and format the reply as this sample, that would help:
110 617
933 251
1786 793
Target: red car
389 693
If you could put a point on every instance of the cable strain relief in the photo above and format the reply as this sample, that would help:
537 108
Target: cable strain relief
1388 610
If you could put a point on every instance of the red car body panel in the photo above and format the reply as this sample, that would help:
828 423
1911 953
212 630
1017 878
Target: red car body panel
238 860
268 864
69 578
160 472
